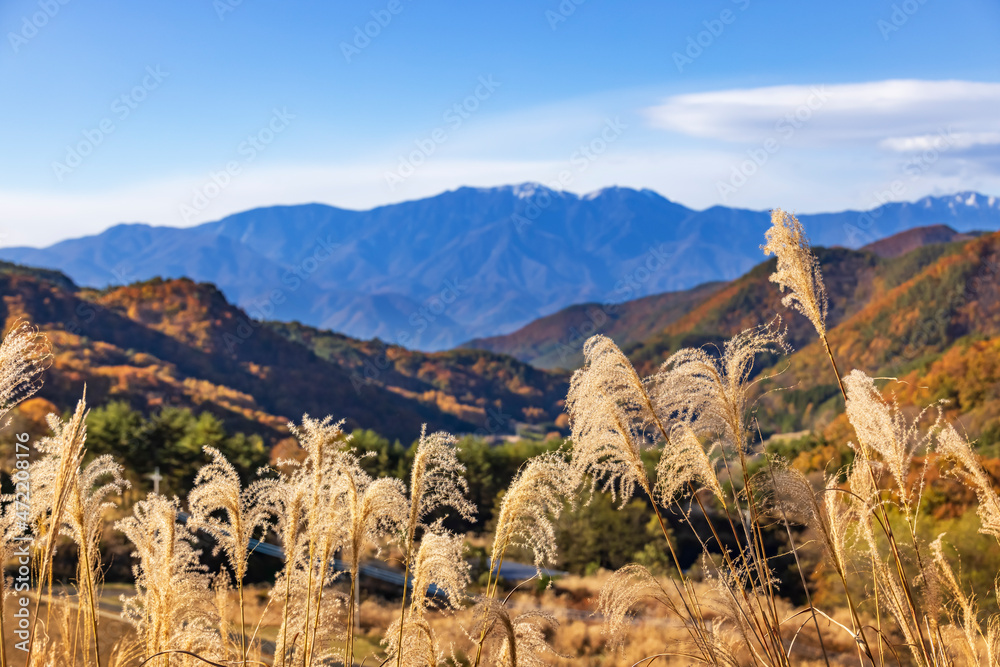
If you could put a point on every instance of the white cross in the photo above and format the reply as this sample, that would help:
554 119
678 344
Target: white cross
156 477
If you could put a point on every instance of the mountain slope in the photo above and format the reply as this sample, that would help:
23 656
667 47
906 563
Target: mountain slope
495 391
930 317
904 242
177 342
469 263
556 341
937 331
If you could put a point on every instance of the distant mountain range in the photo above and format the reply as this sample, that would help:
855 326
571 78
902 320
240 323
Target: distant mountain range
923 305
474 262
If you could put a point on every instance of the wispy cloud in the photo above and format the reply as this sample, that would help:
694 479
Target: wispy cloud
886 113
923 142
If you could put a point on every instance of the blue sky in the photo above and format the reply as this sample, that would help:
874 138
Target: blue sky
180 112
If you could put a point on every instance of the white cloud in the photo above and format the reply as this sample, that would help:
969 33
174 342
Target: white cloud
870 112
941 140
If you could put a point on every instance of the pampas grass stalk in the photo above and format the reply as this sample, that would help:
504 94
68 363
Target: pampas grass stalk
24 355
610 410
376 509
289 500
246 514
535 497
322 441
171 606
54 478
799 272
85 508
435 482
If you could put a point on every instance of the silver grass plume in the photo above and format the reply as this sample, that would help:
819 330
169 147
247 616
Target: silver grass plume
891 595
419 644
222 589
289 500
172 606
288 496
326 523
883 429
967 622
323 442
625 589
440 561
733 628
684 461
518 641
329 622
993 637
376 509
954 446
611 372
218 489
436 481
245 514
53 478
53 475
24 356
632 585
533 500
84 523
528 641
321 439
792 495
610 413
798 269
88 502
711 392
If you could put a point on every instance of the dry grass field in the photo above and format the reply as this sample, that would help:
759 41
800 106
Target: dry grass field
878 585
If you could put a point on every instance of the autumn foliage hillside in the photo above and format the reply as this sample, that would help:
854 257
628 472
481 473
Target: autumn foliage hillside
180 343
930 317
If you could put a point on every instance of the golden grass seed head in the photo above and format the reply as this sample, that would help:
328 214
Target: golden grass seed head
533 500
798 270
24 356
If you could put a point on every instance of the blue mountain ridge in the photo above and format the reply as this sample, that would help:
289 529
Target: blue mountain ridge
472 262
